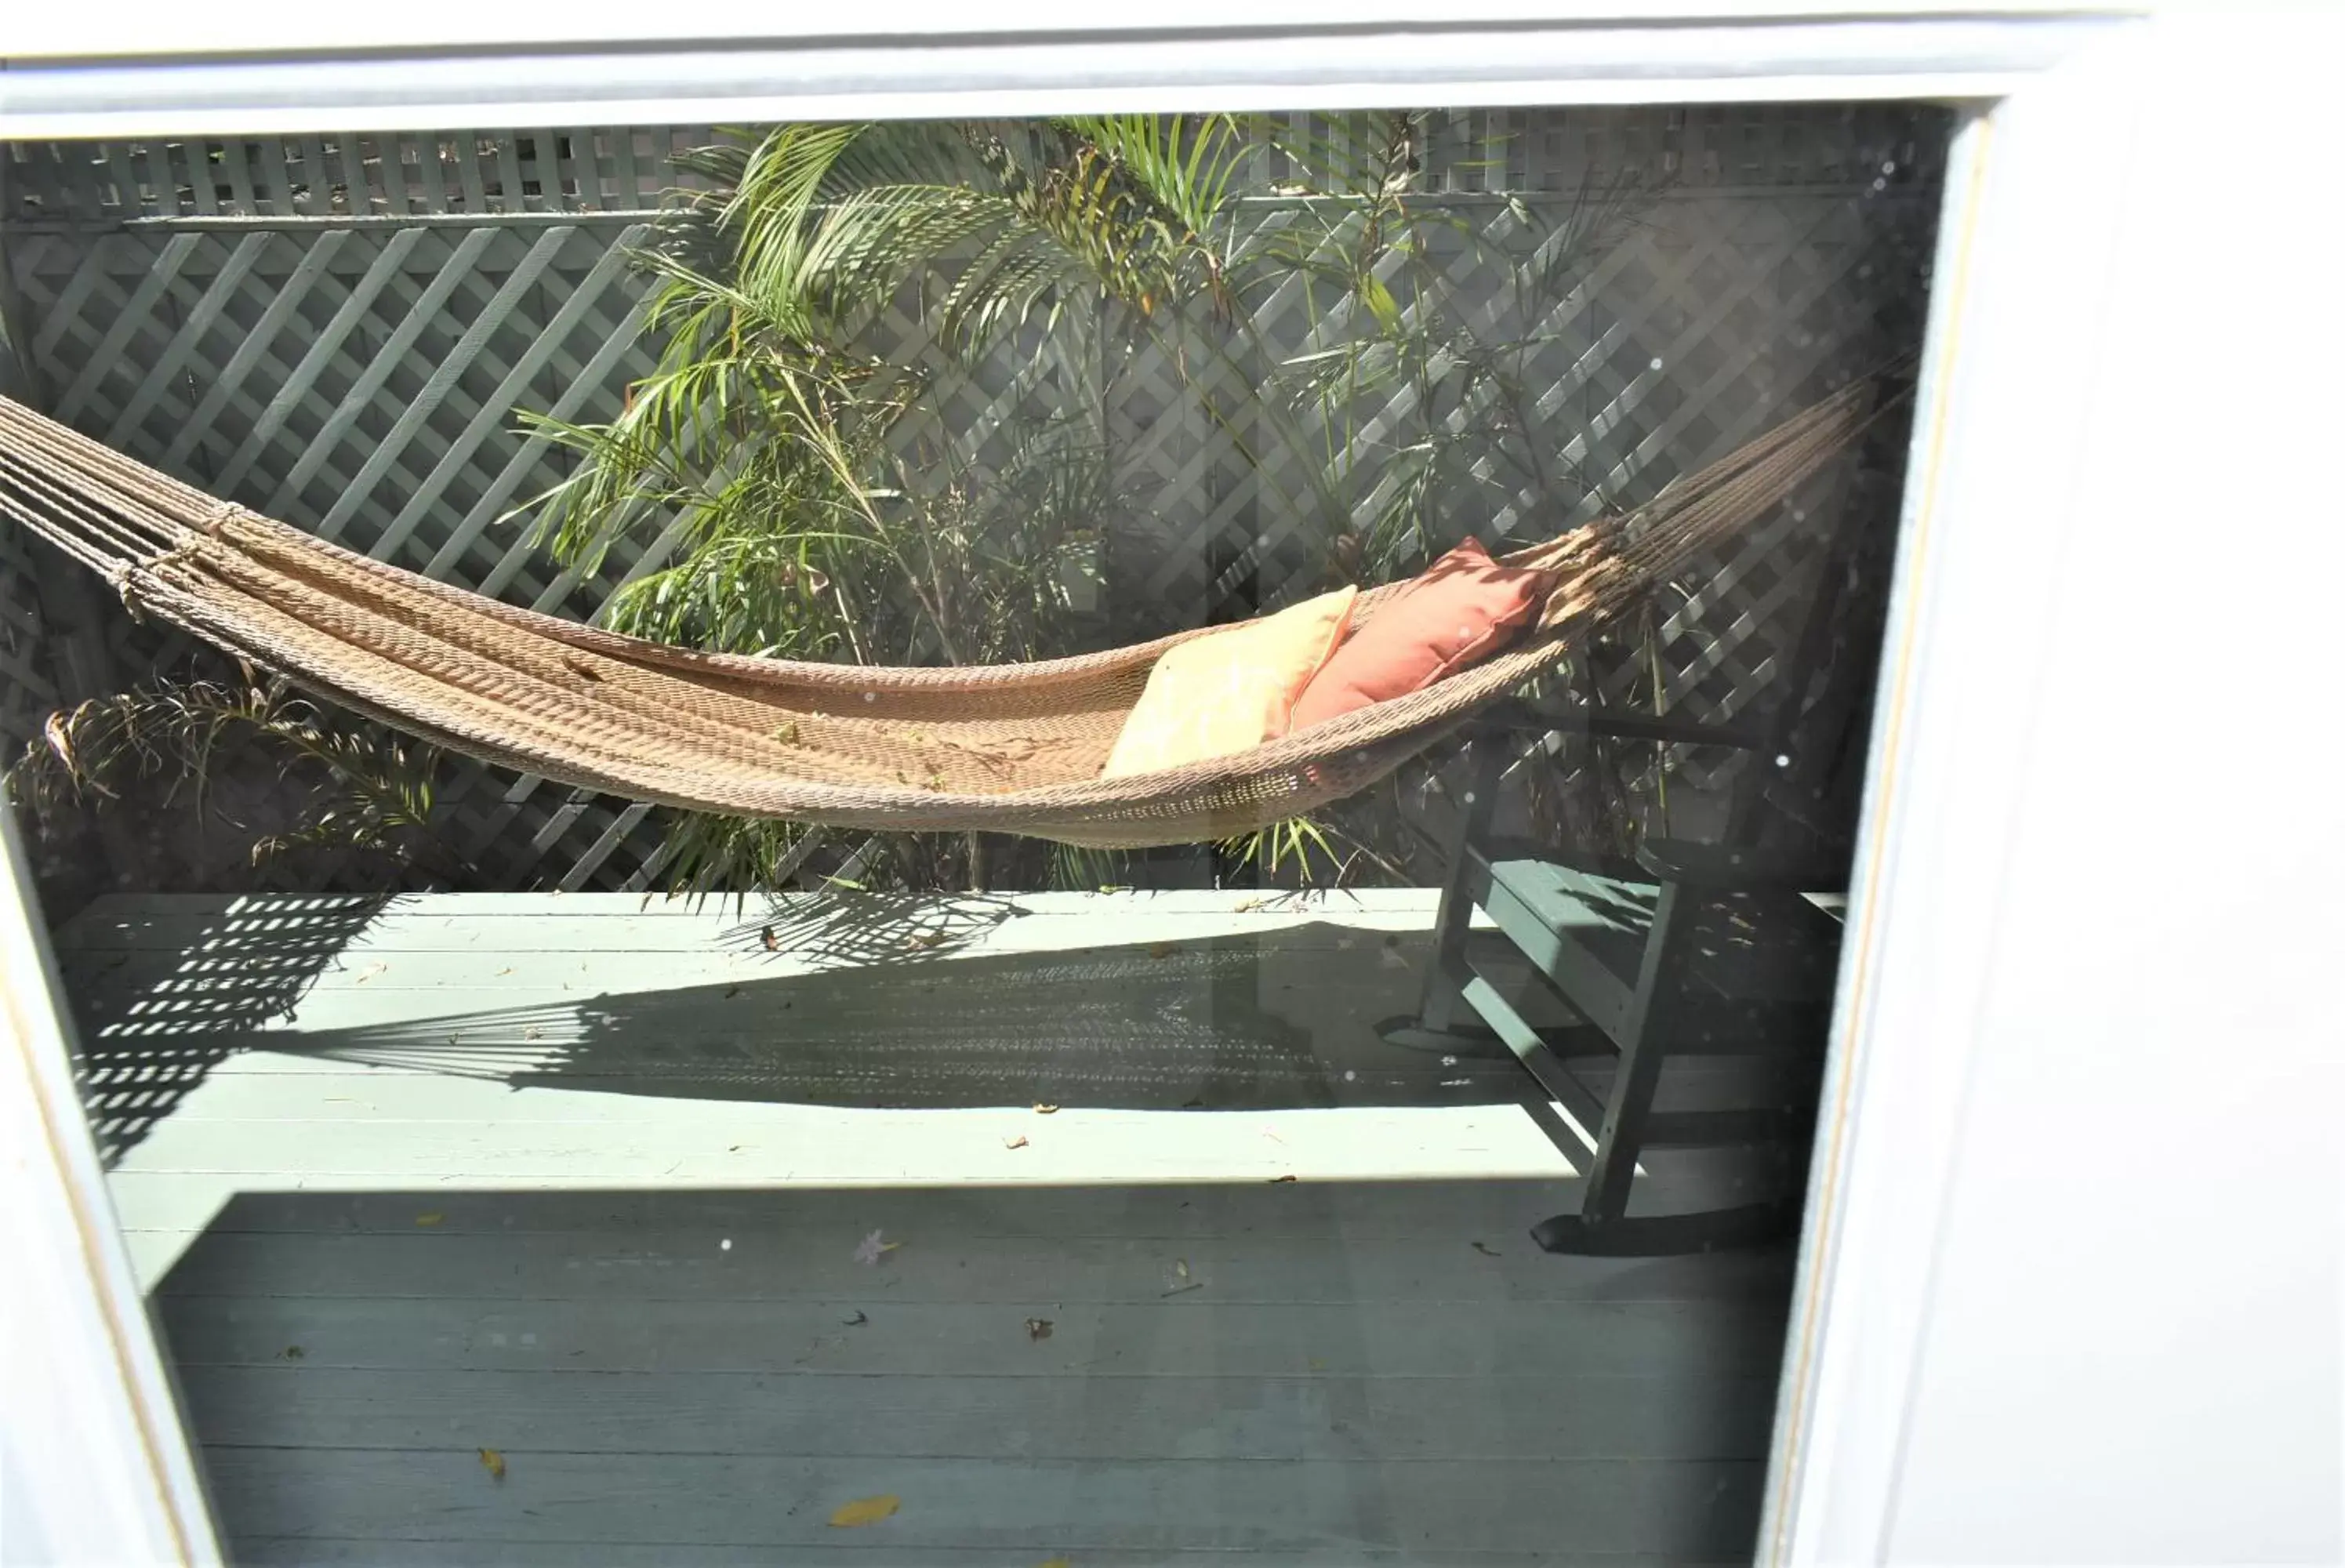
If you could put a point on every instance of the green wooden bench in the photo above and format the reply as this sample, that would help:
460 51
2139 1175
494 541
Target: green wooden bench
1701 950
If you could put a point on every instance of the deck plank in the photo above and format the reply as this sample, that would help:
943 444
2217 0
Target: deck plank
1188 1334
320 1552
696 1219
932 1264
1691 1508
293 1405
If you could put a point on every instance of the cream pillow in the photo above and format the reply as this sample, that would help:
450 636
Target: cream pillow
1234 689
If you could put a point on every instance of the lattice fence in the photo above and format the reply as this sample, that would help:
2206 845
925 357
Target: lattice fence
340 332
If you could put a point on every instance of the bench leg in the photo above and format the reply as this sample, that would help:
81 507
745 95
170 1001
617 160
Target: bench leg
1602 1227
1443 1021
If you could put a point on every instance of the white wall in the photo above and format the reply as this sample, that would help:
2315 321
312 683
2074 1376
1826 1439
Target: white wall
2111 1333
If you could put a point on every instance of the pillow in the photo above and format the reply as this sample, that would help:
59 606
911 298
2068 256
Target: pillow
1464 609
1233 689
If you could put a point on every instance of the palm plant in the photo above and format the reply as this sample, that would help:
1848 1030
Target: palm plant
237 784
818 494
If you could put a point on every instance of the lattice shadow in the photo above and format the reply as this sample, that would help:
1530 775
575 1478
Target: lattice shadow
176 994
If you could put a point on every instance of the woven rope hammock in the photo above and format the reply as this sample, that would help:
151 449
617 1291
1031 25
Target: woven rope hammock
1010 748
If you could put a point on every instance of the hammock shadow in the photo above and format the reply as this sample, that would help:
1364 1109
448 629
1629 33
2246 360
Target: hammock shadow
1282 1019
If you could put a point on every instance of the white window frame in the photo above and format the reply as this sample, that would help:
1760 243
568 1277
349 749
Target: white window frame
2037 534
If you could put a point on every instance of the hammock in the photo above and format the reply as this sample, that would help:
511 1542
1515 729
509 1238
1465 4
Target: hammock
1010 748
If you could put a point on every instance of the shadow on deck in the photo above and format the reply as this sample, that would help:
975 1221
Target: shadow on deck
891 1005
1198 1025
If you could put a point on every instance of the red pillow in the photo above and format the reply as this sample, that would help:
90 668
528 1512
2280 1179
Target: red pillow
1464 609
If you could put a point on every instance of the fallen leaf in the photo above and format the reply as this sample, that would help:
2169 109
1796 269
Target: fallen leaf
873 1248
1058 1562
1162 949
1276 1179
772 943
494 1463
1039 1328
731 992
294 1353
435 1217
368 973
864 1511
857 1320
1041 1110
506 970
1248 906
1487 1252
1017 1142
919 941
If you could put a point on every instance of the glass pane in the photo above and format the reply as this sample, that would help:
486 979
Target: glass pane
1336 1092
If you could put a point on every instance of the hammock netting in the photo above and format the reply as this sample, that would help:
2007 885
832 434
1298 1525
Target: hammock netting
1006 748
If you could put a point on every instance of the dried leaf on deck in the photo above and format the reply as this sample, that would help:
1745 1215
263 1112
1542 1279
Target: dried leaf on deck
1017 1142
1041 1110
435 1217
1039 1328
873 1248
864 1511
494 1463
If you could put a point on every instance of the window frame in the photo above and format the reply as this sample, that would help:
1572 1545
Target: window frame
1998 461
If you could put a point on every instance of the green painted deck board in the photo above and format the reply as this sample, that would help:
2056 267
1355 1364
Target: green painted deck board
320 1551
936 1262
1699 1507
1461 1337
1231 1416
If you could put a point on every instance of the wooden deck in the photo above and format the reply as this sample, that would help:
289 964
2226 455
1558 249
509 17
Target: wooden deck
583 1183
